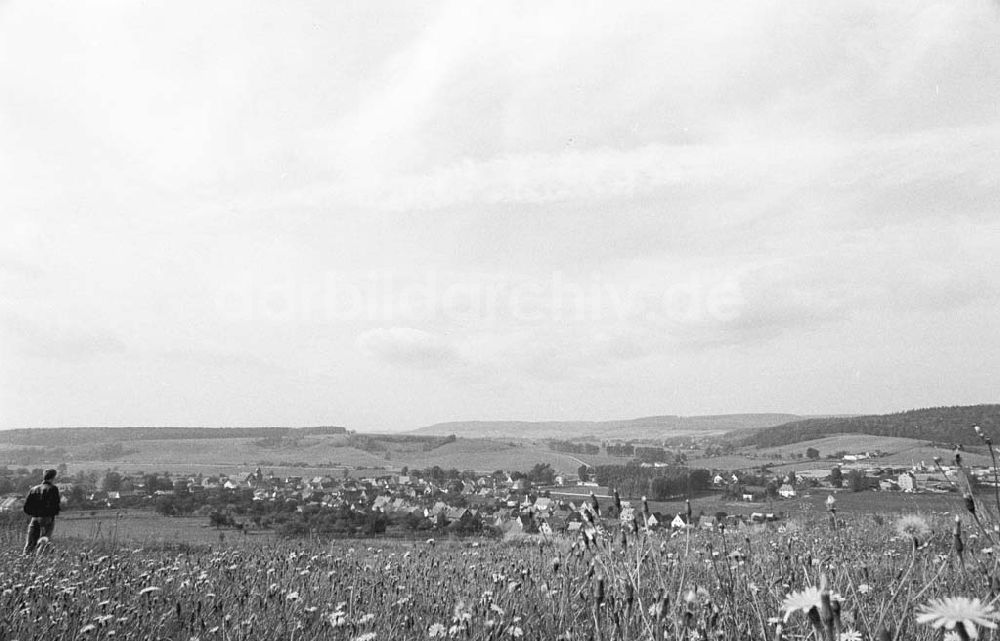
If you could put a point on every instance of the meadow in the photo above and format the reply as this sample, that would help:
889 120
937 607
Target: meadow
144 528
843 577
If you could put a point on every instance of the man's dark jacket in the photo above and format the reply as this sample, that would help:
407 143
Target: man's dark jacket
42 500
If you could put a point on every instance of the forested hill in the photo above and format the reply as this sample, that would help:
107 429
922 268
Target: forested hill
938 424
78 435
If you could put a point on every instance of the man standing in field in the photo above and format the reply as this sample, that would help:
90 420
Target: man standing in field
42 505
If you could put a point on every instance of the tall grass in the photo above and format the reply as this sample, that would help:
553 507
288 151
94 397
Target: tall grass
728 584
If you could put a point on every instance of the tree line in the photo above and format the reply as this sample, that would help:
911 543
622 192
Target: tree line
656 483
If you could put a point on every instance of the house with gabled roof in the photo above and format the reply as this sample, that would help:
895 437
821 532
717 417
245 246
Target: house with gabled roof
681 521
543 504
456 514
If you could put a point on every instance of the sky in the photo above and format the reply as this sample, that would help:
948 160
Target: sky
386 215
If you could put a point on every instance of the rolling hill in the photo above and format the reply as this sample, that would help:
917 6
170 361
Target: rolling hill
287 450
650 427
936 424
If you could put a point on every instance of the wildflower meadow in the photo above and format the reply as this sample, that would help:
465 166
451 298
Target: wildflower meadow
856 579
830 576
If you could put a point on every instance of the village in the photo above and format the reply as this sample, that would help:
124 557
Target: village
467 502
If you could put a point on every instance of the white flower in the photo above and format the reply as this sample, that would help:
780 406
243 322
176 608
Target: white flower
437 630
950 612
804 600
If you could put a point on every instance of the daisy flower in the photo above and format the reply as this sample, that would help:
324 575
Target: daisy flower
803 600
952 612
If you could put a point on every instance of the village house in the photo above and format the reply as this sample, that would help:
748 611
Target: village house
682 521
543 504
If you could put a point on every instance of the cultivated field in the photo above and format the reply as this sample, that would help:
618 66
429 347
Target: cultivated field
323 453
898 452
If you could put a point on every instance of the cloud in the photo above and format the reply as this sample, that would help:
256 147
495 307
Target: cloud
408 347
928 170
826 166
26 337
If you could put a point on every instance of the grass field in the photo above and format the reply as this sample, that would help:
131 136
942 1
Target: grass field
145 527
857 503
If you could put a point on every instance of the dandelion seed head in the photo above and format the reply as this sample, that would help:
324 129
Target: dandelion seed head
913 526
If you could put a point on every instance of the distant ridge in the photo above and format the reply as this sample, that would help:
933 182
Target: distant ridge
78 435
938 424
649 427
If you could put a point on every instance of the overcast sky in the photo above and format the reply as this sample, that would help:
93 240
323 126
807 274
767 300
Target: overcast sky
384 215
